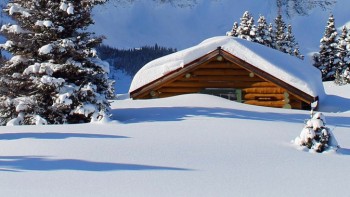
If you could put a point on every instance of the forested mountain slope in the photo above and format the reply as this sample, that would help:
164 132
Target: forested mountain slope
184 23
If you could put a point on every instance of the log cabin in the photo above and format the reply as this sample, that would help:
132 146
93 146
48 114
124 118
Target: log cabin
235 69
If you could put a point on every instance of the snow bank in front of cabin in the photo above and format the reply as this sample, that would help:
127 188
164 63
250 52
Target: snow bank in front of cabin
187 145
287 68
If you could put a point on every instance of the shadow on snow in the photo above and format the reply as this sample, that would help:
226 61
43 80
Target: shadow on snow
343 151
38 163
153 114
16 136
335 104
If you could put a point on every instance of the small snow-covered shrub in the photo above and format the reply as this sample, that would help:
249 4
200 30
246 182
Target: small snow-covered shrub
316 136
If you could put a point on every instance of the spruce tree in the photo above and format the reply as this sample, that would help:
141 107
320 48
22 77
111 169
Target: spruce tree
281 43
2 59
54 75
272 34
278 37
233 31
346 68
245 26
297 53
326 59
341 57
291 45
290 40
262 34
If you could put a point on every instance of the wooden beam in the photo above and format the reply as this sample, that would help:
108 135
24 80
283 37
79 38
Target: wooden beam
220 71
210 84
218 65
227 78
179 89
263 84
264 90
251 96
266 103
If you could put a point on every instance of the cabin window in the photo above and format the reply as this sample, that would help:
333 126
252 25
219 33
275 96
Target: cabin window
227 93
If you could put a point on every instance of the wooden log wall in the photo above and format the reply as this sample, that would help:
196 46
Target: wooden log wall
224 74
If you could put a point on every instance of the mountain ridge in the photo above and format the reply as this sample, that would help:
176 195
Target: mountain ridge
142 22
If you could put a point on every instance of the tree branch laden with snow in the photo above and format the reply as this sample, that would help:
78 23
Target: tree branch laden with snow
55 69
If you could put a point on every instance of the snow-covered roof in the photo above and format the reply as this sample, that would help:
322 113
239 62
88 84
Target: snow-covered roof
296 72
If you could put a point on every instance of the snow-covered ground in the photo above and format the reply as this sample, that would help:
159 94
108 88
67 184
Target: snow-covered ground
189 145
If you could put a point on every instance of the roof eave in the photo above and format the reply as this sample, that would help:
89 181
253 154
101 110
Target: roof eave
295 91
173 74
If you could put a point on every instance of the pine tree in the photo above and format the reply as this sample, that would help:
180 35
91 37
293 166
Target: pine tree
262 34
326 59
54 76
233 31
277 37
245 27
290 40
2 59
291 44
346 68
272 34
253 32
297 53
341 56
281 27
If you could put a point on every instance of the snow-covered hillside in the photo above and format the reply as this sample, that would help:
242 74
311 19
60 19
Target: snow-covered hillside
190 145
147 22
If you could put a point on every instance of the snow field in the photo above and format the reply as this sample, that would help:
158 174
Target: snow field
189 145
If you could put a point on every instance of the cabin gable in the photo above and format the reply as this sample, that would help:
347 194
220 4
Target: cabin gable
222 74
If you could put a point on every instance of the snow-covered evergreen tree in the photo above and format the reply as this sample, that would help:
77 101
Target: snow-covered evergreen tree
253 32
341 56
277 37
233 31
290 40
272 34
291 45
54 75
262 33
2 59
297 53
345 75
281 43
245 27
316 136
326 59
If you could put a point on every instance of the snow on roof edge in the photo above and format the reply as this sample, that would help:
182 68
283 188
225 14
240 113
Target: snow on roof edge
289 69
